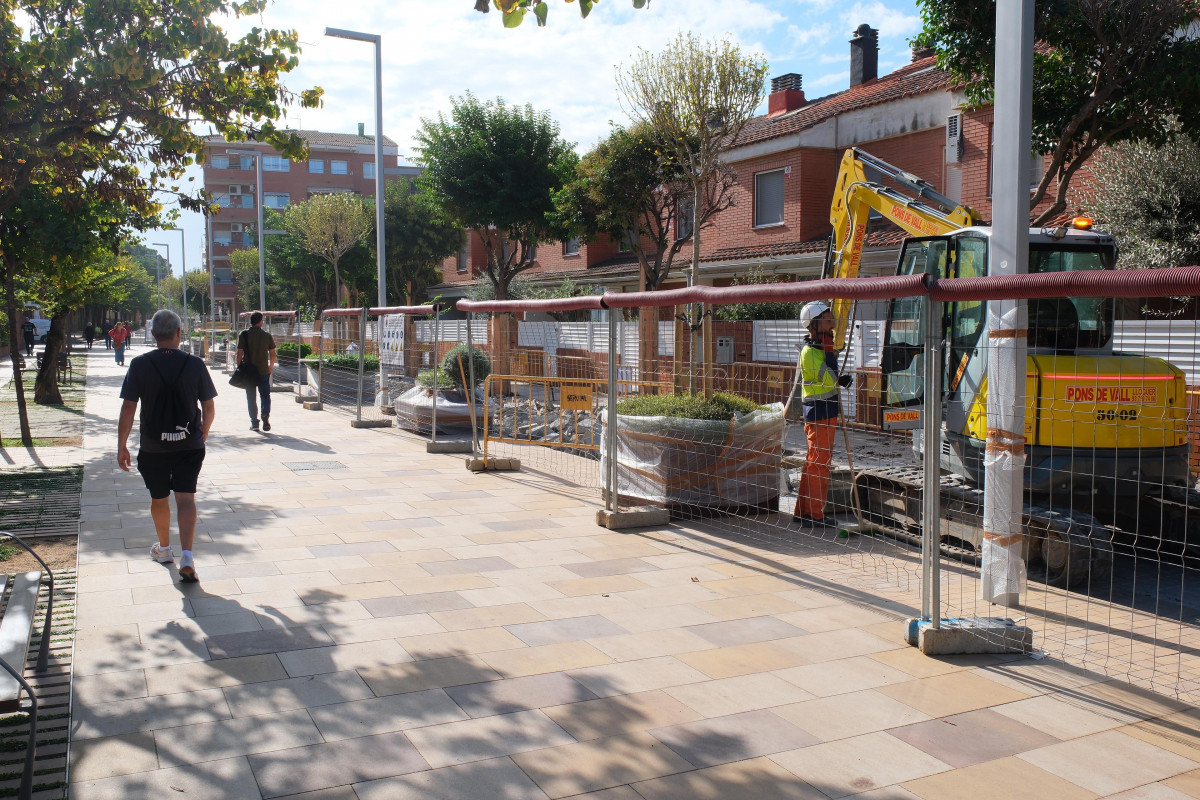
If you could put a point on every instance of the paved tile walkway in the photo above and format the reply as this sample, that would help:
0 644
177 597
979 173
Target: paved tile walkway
392 626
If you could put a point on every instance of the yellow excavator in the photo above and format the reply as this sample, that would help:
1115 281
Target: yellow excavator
1106 432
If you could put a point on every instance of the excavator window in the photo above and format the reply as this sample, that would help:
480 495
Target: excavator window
1065 325
903 361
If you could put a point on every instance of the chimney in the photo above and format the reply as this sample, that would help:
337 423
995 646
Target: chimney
786 95
362 129
864 55
919 53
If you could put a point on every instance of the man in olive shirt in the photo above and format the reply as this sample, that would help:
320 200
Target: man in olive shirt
258 347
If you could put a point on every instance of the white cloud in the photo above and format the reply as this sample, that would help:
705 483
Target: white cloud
889 21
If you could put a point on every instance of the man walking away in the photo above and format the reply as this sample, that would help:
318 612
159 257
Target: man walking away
29 330
169 383
819 382
89 334
105 329
258 347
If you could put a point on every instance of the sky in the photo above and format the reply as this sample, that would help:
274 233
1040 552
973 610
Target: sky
434 50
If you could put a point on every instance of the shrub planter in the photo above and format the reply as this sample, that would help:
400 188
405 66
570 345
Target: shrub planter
698 467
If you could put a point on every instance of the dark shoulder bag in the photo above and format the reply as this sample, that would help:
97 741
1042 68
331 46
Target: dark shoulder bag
245 376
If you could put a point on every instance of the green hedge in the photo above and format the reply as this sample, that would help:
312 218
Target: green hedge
426 378
450 365
347 361
722 405
288 350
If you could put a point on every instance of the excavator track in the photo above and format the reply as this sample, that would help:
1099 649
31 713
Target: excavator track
1074 547
1171 516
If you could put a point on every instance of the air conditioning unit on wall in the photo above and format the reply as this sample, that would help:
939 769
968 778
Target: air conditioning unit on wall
954 138
235 189
236 227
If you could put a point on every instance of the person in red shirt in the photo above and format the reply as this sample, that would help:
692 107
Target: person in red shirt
119 334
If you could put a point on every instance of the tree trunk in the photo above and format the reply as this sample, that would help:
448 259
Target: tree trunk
648 342
45 390
15 355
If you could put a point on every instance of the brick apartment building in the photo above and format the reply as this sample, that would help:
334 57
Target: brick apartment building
338 162
787 162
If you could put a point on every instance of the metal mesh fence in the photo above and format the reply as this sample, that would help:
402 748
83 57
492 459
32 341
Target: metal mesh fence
774 436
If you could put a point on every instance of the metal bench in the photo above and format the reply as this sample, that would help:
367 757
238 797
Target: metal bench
20 596
64 364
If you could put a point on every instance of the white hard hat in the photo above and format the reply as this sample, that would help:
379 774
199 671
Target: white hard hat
811 311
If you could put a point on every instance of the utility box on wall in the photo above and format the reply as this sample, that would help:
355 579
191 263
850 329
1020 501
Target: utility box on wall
724 350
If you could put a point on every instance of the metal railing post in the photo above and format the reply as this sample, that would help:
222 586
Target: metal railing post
471 389
362 358
931 594
437 343
613 501
321 364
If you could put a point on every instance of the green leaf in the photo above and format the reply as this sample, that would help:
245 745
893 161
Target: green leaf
585 7
514 18
540 11
640 3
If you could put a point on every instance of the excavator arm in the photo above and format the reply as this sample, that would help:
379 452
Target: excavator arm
859 191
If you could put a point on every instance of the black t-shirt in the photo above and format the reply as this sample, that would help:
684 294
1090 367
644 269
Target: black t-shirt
142 383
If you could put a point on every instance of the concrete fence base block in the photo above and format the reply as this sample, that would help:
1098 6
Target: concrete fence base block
494 464
282 387
968 635
632 518
448 447
312 405
370 423
300 398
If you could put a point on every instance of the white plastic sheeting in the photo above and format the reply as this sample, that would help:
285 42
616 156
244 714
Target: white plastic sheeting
414 409
1002 571
712 464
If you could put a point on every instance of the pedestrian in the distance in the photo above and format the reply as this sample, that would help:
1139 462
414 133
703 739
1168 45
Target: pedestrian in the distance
105 330
128 335
29 331
89 334
258 347
117 334
819 382
169 383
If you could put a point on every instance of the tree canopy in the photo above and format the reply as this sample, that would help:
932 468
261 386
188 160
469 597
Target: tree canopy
494 168
329 226
1104 71
513 11
417 240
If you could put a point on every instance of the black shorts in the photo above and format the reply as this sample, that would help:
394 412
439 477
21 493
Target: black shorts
170 472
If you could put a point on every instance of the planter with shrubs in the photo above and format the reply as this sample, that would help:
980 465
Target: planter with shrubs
696 456
445 387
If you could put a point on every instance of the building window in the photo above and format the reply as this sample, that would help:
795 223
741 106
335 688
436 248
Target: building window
222 238
223 275
369 170
571 246
684 219
276 164
768 198
338 168
247 162
219 162
625 243
316 166
460 263
277 200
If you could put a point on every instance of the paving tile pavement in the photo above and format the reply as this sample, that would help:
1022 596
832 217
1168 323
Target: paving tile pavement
401 628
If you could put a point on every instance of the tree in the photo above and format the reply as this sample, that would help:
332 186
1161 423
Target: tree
115 93
197 292
1105 71
514 11
696 97
244 264
494 169
417 240
1148 197
329 226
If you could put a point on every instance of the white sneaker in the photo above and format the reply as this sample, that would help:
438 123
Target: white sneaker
161 554
187 569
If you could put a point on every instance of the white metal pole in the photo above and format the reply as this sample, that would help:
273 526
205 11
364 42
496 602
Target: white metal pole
437 339
212 294
1003 568
614 499
262 256
380 258
183 266
931 601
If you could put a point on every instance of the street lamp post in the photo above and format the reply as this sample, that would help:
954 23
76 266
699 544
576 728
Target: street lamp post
183 260
377 40
258 196
158 268
212 289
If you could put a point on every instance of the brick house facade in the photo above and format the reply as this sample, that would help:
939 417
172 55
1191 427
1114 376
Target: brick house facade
788 160
337 163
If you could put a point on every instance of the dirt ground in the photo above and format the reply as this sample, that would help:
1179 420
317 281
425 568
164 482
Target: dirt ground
57 551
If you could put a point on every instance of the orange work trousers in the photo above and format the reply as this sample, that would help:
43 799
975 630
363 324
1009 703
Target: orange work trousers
814 480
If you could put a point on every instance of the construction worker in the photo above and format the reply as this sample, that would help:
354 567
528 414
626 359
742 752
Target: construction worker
819 383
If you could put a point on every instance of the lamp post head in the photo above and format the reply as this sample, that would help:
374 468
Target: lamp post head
358 36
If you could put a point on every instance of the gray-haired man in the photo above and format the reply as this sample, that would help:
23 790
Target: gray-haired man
169 455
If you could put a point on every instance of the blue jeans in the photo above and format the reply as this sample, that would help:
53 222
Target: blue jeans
119 353
264 391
